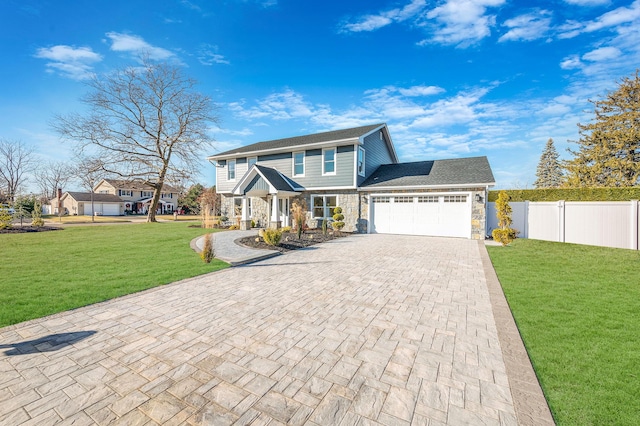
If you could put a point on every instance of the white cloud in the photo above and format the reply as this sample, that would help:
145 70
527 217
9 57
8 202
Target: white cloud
421 91
72 62
587 2
208 55
571 62
602 54
461 22
382 19
530 26
137 45
613 18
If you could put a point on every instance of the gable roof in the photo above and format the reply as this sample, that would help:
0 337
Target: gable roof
86 196
453 172
136 185
316 138
272 177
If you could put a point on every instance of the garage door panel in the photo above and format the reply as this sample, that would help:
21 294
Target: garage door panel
429 214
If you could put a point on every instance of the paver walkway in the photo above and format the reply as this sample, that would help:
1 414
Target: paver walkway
370 329
227 250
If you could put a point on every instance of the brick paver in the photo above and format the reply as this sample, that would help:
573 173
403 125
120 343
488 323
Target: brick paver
370 329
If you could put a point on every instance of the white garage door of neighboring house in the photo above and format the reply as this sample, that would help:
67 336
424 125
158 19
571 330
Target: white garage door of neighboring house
441 215
110 209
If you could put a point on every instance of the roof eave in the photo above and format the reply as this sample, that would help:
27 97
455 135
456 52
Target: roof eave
290 148
399 187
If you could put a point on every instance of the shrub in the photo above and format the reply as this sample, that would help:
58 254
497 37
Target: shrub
272 236
6 218
286 229
208 252
504 234
36 216
234 227
338 219
253 223
324 226
299 212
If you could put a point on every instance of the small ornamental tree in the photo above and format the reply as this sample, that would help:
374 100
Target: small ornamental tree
299 213
272 236
504 234
36 215
6 218
338 219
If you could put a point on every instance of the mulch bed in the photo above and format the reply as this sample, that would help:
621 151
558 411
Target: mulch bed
25 229
290 240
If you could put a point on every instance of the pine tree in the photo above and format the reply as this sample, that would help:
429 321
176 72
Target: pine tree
549 172
609 151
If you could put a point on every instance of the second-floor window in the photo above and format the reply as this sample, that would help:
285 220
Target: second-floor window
361 161
329 161
146 194
252 161
125 192
166 195
298 163
231 170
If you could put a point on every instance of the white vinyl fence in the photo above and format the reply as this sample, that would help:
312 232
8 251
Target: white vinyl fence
607 223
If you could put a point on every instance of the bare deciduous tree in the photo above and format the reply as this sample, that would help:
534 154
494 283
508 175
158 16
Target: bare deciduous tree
16 159
90 171
51 176
144 123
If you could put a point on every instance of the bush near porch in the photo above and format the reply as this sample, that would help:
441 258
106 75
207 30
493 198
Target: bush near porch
578 310
44 273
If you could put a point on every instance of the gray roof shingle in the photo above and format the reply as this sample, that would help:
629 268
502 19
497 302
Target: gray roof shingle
275 178
334 135
457 171
100 198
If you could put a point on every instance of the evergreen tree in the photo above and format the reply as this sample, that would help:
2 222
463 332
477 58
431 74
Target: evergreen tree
549 172
609 147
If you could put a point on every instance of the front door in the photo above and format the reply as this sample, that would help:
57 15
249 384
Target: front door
284 211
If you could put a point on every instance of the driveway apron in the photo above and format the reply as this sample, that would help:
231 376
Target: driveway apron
370 329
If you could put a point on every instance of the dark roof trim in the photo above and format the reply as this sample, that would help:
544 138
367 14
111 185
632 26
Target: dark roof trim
346 136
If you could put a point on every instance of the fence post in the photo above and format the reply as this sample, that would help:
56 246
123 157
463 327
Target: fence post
634 225
526 219
561 221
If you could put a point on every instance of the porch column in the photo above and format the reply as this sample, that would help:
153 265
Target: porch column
275 212
245 221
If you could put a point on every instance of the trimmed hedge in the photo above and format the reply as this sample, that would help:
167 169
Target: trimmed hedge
570 194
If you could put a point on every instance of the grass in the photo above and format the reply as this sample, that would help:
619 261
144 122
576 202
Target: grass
578 310
47 272
71 219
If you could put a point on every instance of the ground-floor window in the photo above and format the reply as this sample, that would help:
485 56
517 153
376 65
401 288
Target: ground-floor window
323 205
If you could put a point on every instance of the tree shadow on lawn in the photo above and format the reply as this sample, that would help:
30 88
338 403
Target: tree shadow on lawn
50 343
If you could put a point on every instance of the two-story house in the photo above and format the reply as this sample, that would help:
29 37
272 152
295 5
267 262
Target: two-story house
137 195
357 169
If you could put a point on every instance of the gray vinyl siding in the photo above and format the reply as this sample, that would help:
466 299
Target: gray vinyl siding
257 183
376 153
284 164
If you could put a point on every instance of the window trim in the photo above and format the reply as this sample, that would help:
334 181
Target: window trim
361 149
335 161
229 162
249 161
304 163
324 205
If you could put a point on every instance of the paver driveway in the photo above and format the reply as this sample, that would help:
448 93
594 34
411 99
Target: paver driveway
370 329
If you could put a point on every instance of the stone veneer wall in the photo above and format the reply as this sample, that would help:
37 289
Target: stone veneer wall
478 208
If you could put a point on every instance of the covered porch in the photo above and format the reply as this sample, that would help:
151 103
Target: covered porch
272 187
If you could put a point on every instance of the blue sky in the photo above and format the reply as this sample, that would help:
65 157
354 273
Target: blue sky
451 78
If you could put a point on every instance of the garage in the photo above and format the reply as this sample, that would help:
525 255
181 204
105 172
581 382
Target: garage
432 214
109 209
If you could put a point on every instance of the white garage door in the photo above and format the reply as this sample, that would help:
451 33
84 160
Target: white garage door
426 214
110 209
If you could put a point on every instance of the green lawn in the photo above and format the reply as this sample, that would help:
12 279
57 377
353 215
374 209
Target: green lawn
578 310
47 272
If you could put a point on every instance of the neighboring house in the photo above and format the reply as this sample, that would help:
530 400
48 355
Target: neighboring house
358 170
79 203
137 195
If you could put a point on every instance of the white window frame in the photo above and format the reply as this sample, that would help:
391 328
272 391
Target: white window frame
361 166
125 193
229 169
324 205
304 163
251 161
335 161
